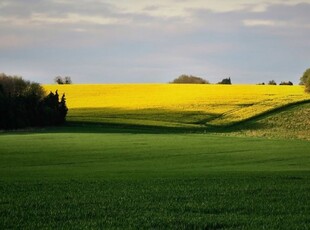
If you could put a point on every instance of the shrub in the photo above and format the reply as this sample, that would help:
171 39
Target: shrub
189 79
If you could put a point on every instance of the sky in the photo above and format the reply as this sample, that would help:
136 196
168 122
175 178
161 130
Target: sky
142 41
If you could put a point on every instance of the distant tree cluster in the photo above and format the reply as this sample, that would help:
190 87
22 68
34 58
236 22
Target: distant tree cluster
286 83
189 79
24 104
272 82
305 80
225 81
63 80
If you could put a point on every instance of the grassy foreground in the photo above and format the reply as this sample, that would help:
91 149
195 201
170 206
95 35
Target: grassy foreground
61 178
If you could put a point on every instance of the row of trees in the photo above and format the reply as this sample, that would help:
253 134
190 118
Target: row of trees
304 80
272 82
190 79
25 104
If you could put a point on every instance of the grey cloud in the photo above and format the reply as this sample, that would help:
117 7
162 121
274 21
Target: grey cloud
21 7
151 48
299 12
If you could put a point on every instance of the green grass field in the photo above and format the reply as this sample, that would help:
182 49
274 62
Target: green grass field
91 176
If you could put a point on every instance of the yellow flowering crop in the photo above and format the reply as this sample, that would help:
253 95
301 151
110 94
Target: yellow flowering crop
230 102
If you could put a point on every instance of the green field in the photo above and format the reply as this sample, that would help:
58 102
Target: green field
95 176
93 173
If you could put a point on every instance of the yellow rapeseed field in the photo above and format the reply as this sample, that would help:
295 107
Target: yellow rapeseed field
230 102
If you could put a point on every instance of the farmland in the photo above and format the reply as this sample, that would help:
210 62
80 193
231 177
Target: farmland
92 179
174 105
162 157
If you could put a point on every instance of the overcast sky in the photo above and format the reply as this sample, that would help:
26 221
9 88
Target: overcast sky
105 41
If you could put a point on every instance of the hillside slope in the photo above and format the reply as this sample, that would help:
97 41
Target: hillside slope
291 122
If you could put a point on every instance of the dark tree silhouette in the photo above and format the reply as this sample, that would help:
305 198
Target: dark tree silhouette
286 83
272 82
24 104
63 80
225 81
59 80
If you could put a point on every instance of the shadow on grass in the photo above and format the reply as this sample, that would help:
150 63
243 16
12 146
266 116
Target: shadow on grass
101 127
90 127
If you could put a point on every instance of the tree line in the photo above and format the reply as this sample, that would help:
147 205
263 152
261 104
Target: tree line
25 104
273 82
190 79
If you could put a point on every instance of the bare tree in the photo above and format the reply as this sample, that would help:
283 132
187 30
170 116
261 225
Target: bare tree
59 80
63 80
67 80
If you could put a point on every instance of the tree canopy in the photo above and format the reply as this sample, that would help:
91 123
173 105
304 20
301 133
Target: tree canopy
286 83
189 79
225 81
272 82
305 80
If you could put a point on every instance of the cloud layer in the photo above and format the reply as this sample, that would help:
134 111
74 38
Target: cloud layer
143 41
